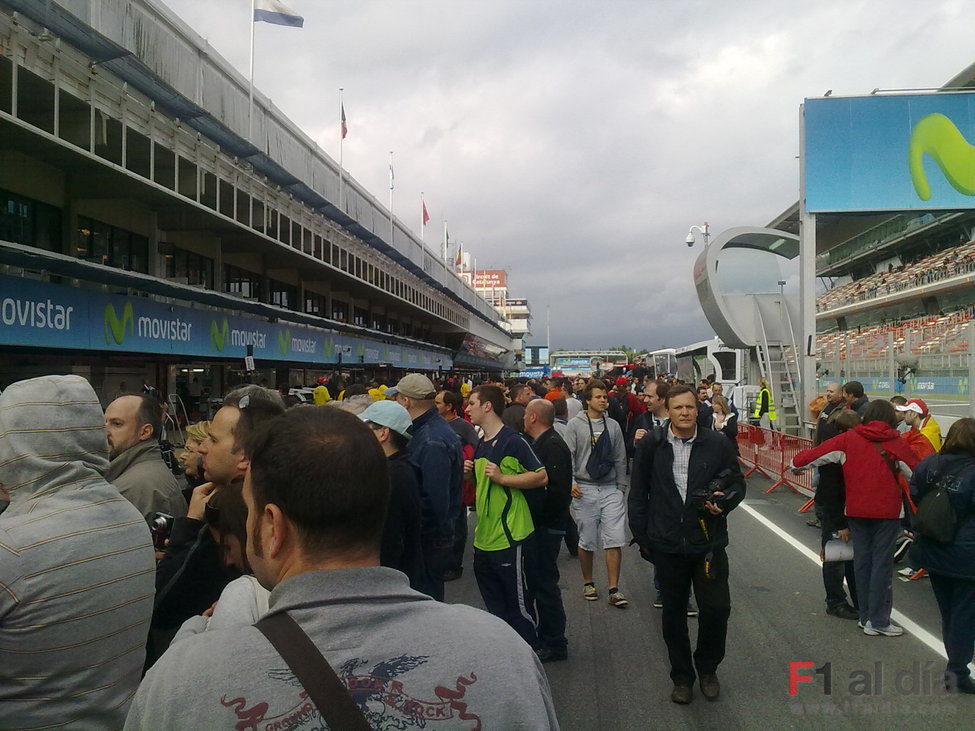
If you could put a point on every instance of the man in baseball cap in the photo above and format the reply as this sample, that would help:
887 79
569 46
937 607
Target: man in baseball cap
435 451
916 415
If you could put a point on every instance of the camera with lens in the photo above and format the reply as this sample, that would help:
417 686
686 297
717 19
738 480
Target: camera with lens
160 526
706 494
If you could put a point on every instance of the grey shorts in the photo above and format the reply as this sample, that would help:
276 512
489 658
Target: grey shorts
600 515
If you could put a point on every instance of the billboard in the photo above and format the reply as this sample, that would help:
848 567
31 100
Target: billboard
890 153
39 314
490 279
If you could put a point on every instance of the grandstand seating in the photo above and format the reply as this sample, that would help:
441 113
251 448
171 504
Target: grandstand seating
928 335
948 263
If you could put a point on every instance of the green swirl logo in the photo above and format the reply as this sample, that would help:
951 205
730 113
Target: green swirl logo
218 337
115 327
937 136
328 348
284 341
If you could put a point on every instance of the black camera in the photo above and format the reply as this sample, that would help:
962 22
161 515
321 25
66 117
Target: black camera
160 526
706 494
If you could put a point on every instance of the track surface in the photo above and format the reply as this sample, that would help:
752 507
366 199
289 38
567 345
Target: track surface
616 676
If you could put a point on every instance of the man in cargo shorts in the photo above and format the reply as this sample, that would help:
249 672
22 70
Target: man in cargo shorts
598 506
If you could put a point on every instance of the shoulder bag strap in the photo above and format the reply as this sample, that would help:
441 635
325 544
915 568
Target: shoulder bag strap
313 672
895 473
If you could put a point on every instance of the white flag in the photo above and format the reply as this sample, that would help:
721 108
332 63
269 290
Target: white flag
276 12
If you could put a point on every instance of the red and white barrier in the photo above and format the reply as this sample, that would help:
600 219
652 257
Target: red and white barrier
770 453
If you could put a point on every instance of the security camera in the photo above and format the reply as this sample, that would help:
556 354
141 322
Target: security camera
690 239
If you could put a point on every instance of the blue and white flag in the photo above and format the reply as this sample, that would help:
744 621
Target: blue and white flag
275 11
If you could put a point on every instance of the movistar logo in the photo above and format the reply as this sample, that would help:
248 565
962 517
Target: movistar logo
284 340
937 136
328 347
218 337
115 326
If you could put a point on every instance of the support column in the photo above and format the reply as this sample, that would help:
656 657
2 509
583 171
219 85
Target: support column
807 287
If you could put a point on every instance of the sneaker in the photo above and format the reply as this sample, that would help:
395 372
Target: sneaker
548 654
956 684
691 609
682 694
589 593
843 611
891 630
710 687
618 600
659 601
902 546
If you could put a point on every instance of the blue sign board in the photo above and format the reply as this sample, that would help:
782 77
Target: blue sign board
39 314
890 152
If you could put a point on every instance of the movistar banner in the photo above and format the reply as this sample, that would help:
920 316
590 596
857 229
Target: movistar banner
890 153
53 316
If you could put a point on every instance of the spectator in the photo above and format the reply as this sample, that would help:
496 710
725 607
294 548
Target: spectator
916 416
133 423
190 457
598 507
193 570
855 398
685 481
724 420
400 548
514 413
450 404
316 494
435 450
561 415
871 454
550 513
951 566
504 467
76 573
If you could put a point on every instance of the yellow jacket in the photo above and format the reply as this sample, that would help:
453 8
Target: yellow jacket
931 429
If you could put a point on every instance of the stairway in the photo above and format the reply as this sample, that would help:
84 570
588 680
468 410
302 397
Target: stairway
778 364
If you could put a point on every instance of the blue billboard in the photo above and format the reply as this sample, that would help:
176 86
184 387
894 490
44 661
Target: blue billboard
890 153
38 314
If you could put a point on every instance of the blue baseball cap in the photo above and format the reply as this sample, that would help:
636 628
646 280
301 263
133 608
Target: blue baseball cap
389 414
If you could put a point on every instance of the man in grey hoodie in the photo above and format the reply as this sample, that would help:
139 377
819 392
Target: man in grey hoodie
316 493
76 564
598 506
133 423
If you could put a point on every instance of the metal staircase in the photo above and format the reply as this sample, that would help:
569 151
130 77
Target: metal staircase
779 365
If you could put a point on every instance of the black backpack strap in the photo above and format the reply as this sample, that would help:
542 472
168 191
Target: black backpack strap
314 673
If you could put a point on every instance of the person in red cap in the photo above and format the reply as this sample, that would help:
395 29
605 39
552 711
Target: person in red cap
916 416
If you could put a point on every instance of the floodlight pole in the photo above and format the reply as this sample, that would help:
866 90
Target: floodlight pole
806 358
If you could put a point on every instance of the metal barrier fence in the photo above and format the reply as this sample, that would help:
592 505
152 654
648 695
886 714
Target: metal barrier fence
770 453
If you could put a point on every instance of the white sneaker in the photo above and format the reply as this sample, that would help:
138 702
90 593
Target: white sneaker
891 630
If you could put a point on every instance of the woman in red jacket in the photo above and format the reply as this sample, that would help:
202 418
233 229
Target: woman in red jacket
874 458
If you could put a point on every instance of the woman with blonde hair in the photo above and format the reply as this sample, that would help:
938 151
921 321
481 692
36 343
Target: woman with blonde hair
190 458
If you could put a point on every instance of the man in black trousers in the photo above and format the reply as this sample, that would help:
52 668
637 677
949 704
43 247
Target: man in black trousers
684 482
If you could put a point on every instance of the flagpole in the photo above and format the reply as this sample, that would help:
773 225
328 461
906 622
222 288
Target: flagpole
423 223
391 175
250 94
445 240
341 140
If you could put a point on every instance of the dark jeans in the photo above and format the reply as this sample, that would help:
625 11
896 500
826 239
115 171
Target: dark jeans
435 558
501 578
835 571
456 562
677 573
873 563
544 583
956 600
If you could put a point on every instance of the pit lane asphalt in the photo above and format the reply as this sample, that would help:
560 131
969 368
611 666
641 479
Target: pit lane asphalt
617 677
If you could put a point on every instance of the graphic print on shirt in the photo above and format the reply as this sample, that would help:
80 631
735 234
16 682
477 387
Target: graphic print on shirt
383 700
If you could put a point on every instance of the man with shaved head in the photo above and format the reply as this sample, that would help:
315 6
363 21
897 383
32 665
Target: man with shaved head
133 423
550 512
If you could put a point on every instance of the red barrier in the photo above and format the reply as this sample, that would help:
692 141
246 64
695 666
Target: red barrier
770 453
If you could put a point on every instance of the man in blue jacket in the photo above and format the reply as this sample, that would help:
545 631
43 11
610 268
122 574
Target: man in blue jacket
435 450
684 482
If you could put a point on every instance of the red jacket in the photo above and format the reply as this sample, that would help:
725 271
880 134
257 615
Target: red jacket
871 489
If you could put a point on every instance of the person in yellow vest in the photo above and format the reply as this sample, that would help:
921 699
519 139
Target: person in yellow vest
765 406
916 415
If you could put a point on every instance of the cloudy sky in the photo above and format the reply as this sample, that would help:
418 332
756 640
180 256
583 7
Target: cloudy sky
574 142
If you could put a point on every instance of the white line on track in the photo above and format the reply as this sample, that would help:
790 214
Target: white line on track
906 622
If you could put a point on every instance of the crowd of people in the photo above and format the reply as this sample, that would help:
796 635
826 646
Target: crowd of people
297 569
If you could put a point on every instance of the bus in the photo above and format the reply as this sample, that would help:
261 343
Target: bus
660 362
572 363
712 358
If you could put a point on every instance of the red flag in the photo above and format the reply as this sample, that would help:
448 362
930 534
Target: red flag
426 216
345 128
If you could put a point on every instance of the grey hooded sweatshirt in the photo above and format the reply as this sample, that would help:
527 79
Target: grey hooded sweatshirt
76 564
579 439
408 661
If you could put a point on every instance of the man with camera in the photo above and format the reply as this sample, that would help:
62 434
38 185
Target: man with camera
685 481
